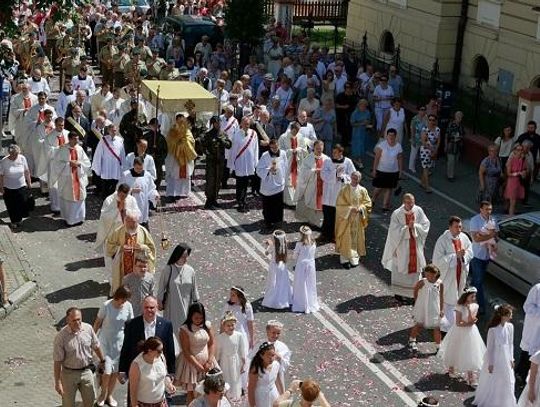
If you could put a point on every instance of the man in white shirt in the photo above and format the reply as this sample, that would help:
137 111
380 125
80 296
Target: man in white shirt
243 158
340 78
530 339
272 169
335 173
109 159
83 81
228 125
38 83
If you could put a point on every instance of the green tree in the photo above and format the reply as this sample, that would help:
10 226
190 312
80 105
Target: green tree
244 24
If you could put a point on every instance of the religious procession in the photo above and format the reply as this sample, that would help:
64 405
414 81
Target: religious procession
119 123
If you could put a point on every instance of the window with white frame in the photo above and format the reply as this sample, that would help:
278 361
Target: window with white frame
489 12
399 3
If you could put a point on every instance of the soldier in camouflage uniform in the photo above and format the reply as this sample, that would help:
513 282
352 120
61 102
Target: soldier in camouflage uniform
54 33
135 69
106 58
120 61
155 65
169 72
143 50
214 143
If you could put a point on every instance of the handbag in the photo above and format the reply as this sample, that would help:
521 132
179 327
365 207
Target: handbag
29 200
166 292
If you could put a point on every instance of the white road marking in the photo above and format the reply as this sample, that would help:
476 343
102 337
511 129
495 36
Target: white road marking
364 357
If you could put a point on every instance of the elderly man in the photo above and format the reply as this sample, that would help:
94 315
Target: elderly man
122 245
70 169
113 213
404 249
109 160
19 107
452 255
141 328
73 361
243 158
353 206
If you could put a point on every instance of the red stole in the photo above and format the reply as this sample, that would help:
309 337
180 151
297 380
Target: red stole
121 208
457 247
182 173
41 117
319 191
74 176
27 103
129 253
61 140
412 245
294 162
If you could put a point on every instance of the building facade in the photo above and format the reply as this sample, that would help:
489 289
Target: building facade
499 44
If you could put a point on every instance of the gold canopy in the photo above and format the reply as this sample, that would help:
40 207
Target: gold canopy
179 96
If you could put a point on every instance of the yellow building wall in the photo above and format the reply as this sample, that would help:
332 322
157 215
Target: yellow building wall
427 29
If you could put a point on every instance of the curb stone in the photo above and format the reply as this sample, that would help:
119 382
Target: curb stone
17 297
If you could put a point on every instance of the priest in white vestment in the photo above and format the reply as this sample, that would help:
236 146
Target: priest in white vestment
33 118
122 245
309 189
113 213
243 158
49 146
335 173
403 252
149 163
35 147
452 255
296 148
112 106
109 159
19 106
143 188
70 169
272 170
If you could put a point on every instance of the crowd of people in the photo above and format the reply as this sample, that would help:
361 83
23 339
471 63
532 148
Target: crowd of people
294 128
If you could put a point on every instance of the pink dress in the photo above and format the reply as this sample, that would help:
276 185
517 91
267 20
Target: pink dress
514 189
186 374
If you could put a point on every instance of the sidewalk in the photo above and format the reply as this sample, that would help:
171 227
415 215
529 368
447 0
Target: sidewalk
463 191
17 270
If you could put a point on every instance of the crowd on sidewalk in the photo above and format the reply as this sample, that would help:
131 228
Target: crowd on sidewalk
295 128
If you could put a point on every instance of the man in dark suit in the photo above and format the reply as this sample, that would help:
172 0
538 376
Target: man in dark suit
78 123
141 328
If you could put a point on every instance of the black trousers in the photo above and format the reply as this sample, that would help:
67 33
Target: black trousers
214 176
255 183
272 208
225 177
15 200
329 222
108 186
241 190
159 172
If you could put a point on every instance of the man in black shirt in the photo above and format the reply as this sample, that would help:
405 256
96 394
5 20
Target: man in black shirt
345 104
534 138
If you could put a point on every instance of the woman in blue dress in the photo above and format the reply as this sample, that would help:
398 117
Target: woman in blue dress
361 122
109 326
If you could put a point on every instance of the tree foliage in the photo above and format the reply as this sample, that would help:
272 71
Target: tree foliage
244 21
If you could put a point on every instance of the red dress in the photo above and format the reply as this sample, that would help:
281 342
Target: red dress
514 189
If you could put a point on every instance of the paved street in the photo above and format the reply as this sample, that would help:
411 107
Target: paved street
355 346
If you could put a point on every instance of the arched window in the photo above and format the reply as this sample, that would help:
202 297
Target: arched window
481 69
535 83
387 43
